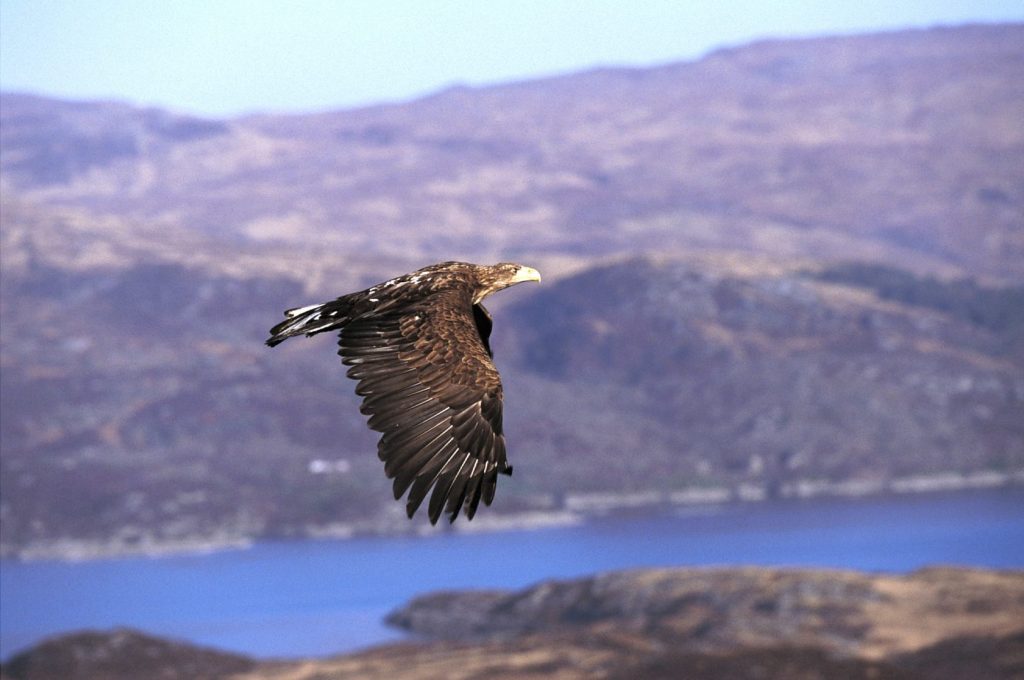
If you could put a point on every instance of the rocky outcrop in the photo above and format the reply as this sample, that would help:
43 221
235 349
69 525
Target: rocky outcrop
121 655
949 624
717 610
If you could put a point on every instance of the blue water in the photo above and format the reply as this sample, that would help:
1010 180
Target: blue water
317 597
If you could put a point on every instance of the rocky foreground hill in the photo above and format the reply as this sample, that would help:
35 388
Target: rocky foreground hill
666 623
785 269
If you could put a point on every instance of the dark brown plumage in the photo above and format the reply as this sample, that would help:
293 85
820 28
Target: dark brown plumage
418 347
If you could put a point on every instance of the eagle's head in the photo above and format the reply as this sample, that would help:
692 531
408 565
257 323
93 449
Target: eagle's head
492 278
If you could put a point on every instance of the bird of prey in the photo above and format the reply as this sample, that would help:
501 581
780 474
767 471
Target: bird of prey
418 347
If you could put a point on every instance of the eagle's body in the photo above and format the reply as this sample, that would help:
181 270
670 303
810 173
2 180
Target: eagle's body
418 345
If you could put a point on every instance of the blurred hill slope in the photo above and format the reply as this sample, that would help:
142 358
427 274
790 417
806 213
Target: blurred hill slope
785 269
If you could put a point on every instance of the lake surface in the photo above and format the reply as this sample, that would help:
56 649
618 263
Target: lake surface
313 598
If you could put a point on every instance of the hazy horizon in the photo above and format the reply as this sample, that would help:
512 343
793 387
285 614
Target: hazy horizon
230 58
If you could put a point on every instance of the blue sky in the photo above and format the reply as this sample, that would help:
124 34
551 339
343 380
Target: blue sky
225 57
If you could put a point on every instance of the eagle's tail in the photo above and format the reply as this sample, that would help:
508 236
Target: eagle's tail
309 321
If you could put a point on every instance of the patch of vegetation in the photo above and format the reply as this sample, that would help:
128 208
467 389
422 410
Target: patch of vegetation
1000 310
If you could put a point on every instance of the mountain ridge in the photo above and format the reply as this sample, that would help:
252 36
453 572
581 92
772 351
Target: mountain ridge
906 140
765 265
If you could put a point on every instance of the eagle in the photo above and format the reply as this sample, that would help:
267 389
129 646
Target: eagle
418 345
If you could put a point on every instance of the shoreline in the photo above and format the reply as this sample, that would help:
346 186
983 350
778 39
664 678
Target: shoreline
750 612
576 509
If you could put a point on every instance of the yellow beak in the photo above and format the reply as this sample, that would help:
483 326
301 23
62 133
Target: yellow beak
526 274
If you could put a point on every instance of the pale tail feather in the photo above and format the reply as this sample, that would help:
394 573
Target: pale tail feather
307 321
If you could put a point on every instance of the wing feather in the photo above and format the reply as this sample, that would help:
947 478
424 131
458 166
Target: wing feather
443 487
473 494
430 388
409 460
425 480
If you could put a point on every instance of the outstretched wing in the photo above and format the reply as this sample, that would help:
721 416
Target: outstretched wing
429 386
